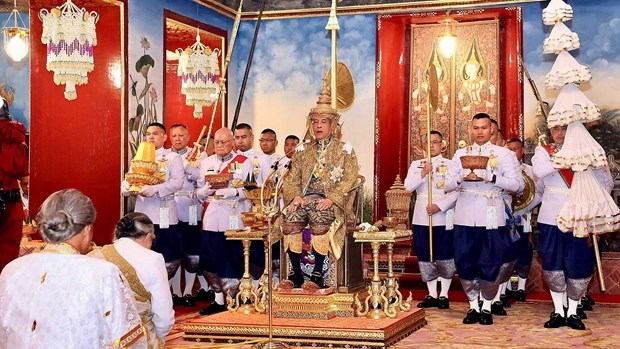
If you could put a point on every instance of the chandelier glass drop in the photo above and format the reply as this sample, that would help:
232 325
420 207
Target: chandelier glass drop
199 71
69 33
16 37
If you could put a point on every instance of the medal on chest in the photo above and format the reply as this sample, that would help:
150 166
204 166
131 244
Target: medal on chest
440 174
162 167
493 161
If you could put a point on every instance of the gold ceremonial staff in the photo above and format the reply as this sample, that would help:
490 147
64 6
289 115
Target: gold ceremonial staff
432 99
542 137
333 26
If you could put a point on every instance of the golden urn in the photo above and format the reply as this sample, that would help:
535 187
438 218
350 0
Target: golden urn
398 199
143 168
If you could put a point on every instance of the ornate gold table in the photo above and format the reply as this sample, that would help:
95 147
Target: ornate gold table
248 300
382 300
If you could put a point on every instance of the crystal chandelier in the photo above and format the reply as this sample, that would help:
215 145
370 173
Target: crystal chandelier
199 70
16 38
69 33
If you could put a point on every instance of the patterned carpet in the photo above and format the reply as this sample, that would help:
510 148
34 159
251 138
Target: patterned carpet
522 328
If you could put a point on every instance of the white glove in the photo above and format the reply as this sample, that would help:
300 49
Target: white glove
464 173
488 176
148 190
125 188
481 173
227 192
205 191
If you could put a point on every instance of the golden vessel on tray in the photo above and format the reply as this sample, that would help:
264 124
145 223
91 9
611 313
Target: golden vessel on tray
398 200
474 162
143 168
218 181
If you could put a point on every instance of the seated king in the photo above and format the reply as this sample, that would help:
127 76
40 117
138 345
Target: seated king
314 190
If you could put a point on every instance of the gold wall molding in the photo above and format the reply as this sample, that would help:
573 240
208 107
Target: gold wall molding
397 7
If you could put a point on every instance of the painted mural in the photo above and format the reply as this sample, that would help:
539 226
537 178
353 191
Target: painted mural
15 81
285 78
145 82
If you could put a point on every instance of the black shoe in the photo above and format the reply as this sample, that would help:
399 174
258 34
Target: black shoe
582 314
203 295
213 308
486 318
588 300
443 303
520 296
317 278
428 302
509 292
586 304
297 280
497 309
504 299
575 323
472 317
188 300
555 321
176 300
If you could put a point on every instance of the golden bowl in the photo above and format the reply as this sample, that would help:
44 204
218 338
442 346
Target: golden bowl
144 167
253 219
390 223
218 181
474 162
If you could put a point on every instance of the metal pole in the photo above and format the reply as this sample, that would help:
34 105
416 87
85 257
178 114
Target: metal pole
248 66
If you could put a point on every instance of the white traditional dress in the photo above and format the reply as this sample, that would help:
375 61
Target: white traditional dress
60 299
145 272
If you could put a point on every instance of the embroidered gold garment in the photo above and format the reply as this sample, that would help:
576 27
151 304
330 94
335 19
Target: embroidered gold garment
336 169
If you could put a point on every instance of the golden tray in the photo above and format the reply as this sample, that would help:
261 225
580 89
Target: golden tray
218 181
140 179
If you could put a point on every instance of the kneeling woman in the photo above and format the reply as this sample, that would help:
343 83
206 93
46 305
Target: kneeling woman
146 273
59 298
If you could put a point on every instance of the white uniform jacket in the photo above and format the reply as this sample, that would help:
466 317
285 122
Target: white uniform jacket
444 201
258 160
218 213
184 196
476 200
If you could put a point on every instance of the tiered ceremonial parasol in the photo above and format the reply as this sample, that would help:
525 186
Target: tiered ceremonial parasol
590 209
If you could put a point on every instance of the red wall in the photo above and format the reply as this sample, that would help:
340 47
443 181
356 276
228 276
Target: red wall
175 109
77 144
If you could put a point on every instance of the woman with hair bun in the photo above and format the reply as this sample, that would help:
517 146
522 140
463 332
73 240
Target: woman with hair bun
59 298
145 270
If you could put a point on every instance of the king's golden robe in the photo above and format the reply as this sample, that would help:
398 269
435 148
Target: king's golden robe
337 173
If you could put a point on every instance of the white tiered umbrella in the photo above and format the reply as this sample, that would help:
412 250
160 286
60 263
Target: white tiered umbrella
566 70
590 208
561 39
557 11
570 106
579 150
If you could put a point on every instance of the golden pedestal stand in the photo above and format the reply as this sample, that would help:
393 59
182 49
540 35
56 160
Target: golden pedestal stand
249 300
382 300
